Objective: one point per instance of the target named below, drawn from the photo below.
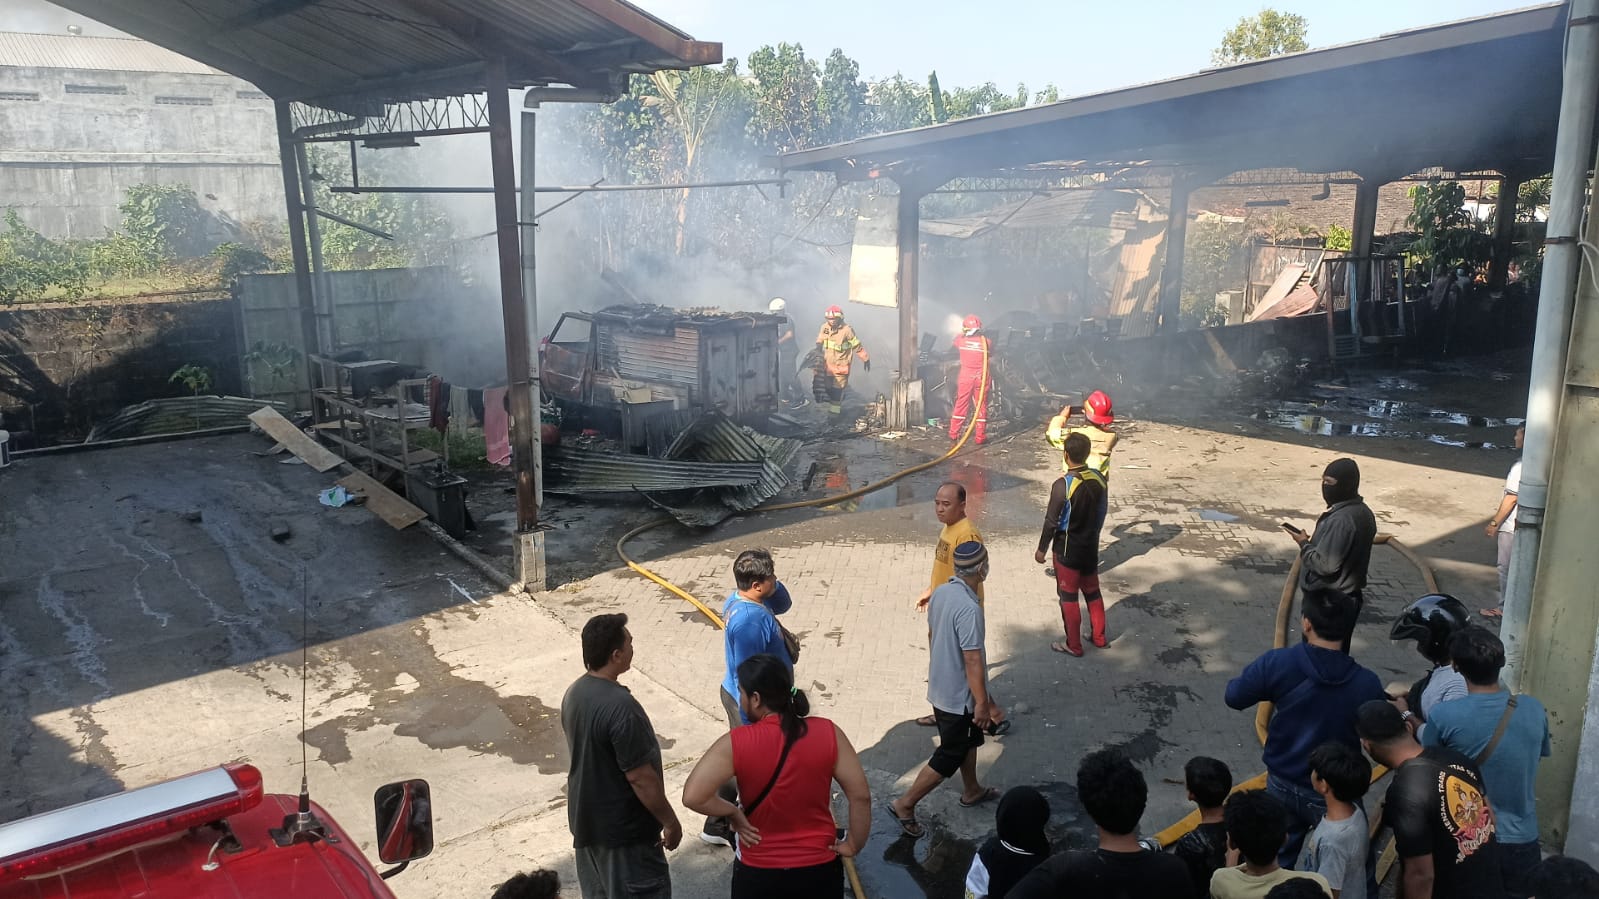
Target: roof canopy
(1476, 94)
(353, 55)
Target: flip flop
(908, 825)
(989, 795)
(1492, 614)
(1065, 649)
(927, 721)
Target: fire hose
(982, 397)
(1263, 711)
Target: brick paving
(1191, 600)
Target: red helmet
(833, 312)
(972, 323)
(1096, 408)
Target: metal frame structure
(1362, 110)
(387, 73)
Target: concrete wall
(64, 366)
(72, 141)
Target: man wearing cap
(974, 386)
(1097, 409)
(1444, 829)
(957, 687)
(1337, 555)
(839, 346)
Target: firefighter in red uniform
(974, 349)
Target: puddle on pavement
(1354, 416)
(935, 866)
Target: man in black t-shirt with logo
(1444, 829)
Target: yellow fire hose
(982, 398)
(1263, 711)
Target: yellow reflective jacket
(838, 347)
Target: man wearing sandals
(949, 504)
(957, 687)
(1502, 529)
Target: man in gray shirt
(957, 688)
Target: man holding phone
(1337, 555)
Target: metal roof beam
(266, 12)
(470, 31)
(654, 32)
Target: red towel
(497, 425)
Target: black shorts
(957, 736)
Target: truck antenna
(303, 825)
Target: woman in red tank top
(785, 764)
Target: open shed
(385, 73)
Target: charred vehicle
(633, 362)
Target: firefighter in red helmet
(974, 387)
(1101, 417)
(839, 346)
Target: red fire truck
(212, 834)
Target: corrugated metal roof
(98, 54)
(1082, 208)
(349, 54)
(573, 471)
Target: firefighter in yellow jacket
(838, 346)
(1097, 409)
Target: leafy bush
(32, 264)
(237, 259)
(163, 221)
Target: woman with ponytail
(785, 763)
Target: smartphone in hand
(1290, 528)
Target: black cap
(1379, 722)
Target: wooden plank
(283, 431)
(384, 503)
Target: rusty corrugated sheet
(714, 438)
(94, 54)
(586, 471)
(1135, 291)
(672, 359)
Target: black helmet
(1431, 621)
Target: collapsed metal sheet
(715, 439)
(572, 471)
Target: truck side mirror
(405, 822)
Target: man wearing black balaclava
(1336, 556)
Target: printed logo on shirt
(941, 553)
(1466, 814)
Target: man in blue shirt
(1506, 735)
(749, 628)
(1315, 688)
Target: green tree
(32, 265)
(843, 99)
(1447, 235)
(164, 221)
(899, 103)
(1267, 33)
(422, 231)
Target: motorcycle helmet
(1097, 409)
(1431, 621)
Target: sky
(1078, 46)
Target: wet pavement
(119, 618)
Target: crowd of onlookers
(1462, 750)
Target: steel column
(530, 285)
(909, 240)
(1504, 231)
(321, 296)
(518, 354)
(1171, 270)
(297, 243)
(1363, 230)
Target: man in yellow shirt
(949, 504)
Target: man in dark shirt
(1444, 829)
(1337, 556)
(1113, 793)
(1204, 849)
(1072, 521)
(616, 806)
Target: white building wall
(73, 140)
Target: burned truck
(621, 366)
